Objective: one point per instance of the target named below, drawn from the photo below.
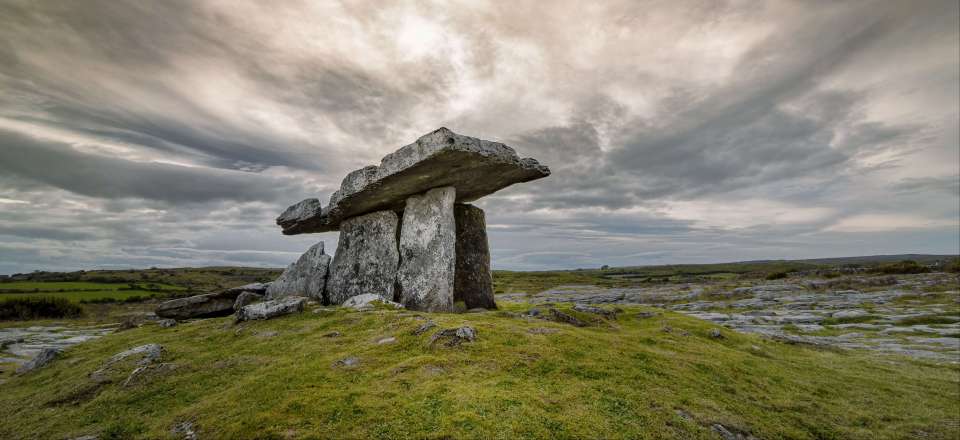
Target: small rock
(477, 310)
(715, 334)
(266, 334)
(333, 334)
(423, 328)
(184, 430)
(533, 312)
(542, 330)
(347, 362)
(563, 317)
(456, 335)
(389, 340)
(583, 308)
(167, 323)
(46, 356)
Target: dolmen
(407, 231)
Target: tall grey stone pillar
(428, 251)
(473, 282)
(366, 259)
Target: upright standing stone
(428, 251)
(366, 259)
(305, 277)
(473, 283)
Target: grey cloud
(99, 176)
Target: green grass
(624, 379)
(85, 291)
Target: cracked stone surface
(473, 281)
(428, 251)
(884, 314)
(475, 167)
(21, 345)
(366, 259)
(305, 277)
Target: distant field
(84, 291)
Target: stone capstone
(366, 258)
(305, 277)
(428, 251)
(473, 281)
(271, 309)
(441, 158)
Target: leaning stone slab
(199, 306)
(271, 309)
(473, 166)
(473, 282)
(366, 258)
(305, 277)
(428, 251)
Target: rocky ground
(914, 315)
(19, 345)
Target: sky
(169, 134)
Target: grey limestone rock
(46, 356)
(365, 302)
(199, 306)
(473, 281)
(245, 299)
(428, 251)
(305, 277)
(473, 166)
(271, 308)
(366, 259)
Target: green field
(85, 291)
(632, 377)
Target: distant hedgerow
(36, 308)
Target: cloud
(137, 133)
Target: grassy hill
(630, 377)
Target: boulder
(271, 308)
(46, 356)
(305, 277)
(441, 158)
(366, 258)
(244, 299)
(473, 280)
(199, 306)
(428, 251)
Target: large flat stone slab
(305, 277)
(474, 167)
(428, 251)
(366, 259)
(473, 283)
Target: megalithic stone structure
(407, 233)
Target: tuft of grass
(621, 378)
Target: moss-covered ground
(633, 377)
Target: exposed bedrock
(305, 277)
(473, 281)
(428, 251)
(474, 167)
(366, 258)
